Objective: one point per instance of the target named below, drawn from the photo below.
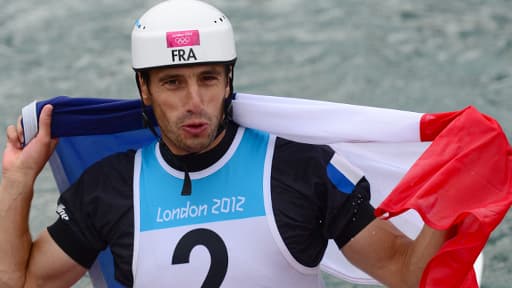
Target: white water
(415, 55)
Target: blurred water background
(424, 56)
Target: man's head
(183, 52)
(188, 102)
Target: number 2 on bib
(215, 246)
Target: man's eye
(210, 78)
(172, 82)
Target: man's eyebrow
(211, 71)
(166, 76)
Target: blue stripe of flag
(339, 180)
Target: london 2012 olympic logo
(183, 38)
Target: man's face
(188, 104)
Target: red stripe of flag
(463, 181)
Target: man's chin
(197, 148)
(187, 144)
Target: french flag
(448, 170)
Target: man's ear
(144, 90)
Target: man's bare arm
(49, 266)
(24, 263)
(385, 253)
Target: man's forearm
(20, 167)
(392, 258)
(15, 238)
(426, 245)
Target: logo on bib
(218, 206)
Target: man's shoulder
(117, 158)
(299, 149)
(119, 162)
(111, 173)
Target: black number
(216, 248)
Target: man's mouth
(195, 128)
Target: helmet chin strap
(146, 122)
(228, 105)
(228, 112)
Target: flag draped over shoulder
(449, 170)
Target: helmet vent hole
(221, 19)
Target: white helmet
(182, 32)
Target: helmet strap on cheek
(146, 122)
(227, 108)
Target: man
(263, 207)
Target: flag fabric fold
(449, 170)
(462, 180)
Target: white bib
(223, 234)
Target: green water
(414, 55)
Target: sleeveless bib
(224, 234)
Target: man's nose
(194, 100)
